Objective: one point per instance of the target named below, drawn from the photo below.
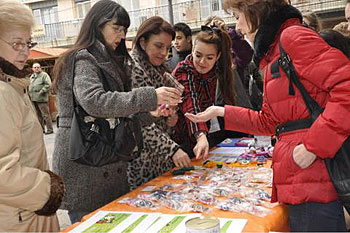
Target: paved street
(49, 143)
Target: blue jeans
(76, 216)
(313, 216)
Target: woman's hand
(209, 113)
(303, 157)
(218, 23)
(202, 147)
(181, 159)
(172, 120)
(168, 95)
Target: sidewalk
(49, 143)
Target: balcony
(319, 6)
(31, 1)
(194, 13)
(62, 34)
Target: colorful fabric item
(199, 94)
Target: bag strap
(73, 71)
(134, 123)
(286, 64)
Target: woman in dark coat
(99, 52)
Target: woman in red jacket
(300, 175)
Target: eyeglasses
(118, 29)
(18, 46)
(211, 29)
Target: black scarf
(269, 27)
(10, 69)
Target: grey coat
(88, 187)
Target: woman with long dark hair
(208, 79)
(300, 177)
(99, 53)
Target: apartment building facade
(58, 21)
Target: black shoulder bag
(98, 141)
(339, 166)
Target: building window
(47, 15)
(135, 5)
(215, 5)
(37, 16)
(83, 8)
(142, 19)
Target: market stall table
(278, 221)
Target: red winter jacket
(325, 73)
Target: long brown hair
(101, 13)
(255, 10)
(152, 26)
(221, 39)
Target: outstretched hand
(209, 113)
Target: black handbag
(339, 166)
(98, 141)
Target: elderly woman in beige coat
(29, 193)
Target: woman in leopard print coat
(160, 152)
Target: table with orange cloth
(278, 221)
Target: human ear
(143, 43)
(218, 57)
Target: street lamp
(171, 13)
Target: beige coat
(24, 186)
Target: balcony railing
(194, 13)
(31, 1)
(60, 34)
(319, 6)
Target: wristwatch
(198, 134)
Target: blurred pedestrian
(39, 92)
(336, 40)
(342, 27)
(347, 13)
(311, 20)
(182, 44)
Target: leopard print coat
(158, 147)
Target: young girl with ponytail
(208, 79)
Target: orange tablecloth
(273, 222)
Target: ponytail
(225, 65)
